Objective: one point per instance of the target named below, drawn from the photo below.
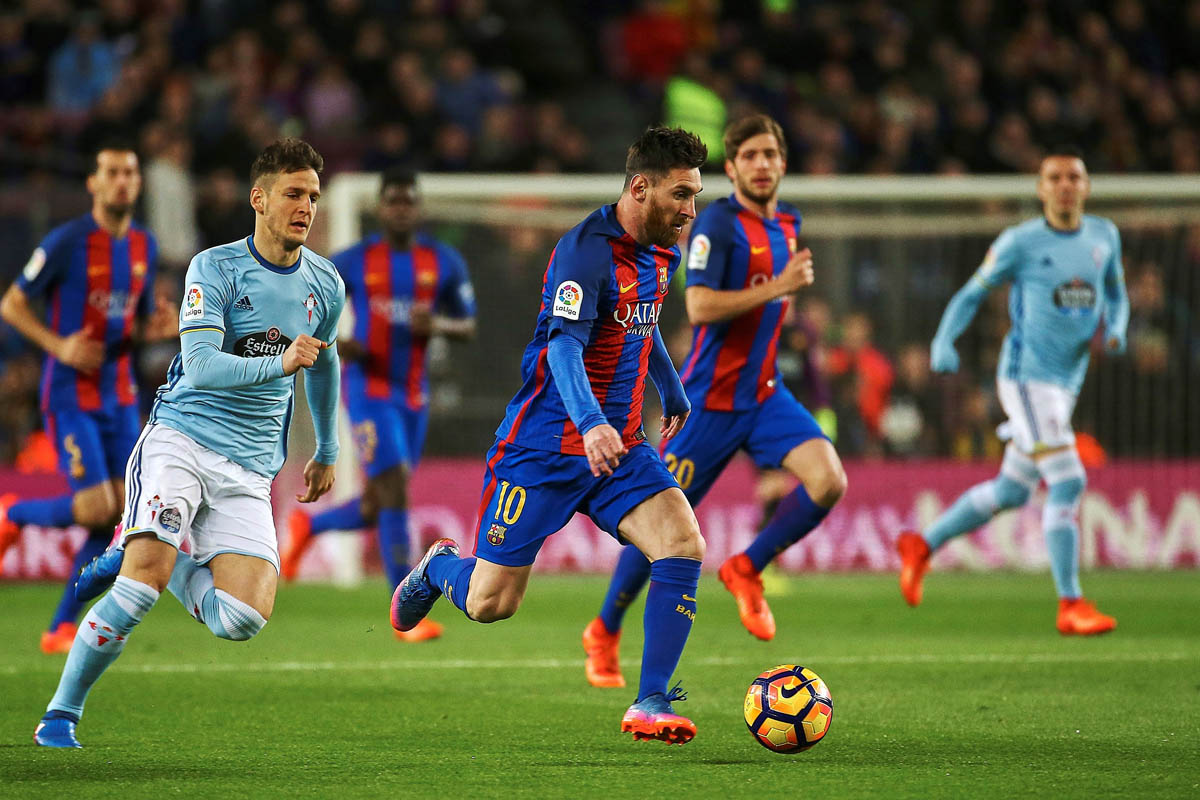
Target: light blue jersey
(1063, 284)
(236, 303)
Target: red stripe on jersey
(662, 264)
(765, 385)
(697, 346)
(546, 279)
(603, 354)
(739, 338)
(377, 277)
(139, 253)
(95, 312)
(425, 282)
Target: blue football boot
(652, 718)
(56, 729)
(415, 595)
(98, 574)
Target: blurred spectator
(82, 69)
(170, 196)
(862, 366)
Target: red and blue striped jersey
(384, 284)
(731, 366)
(88, 279)
(597, 272)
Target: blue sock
(631, 574)
(452, 575)
(794, 517)
(392, 530)
(53, 512)
(68, 607)
(670, 611)
(346, 517)
(100, 640)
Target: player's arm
(707, 305)
(453, 315)
(77, 350)
(1116, 300)
(675, 403)
(998, 266)
(564, 354)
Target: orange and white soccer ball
(788, 709)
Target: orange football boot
(745, 584)
(300, 536)
(654, 719)
(60, 639)
(423, 631)
(914, 563)
(602, 666)
(9, 530)
(1078, 616)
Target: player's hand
(672, 425)
(420, 319)
(80, 351)
(302, 353)
(797, 273)
(318, 478)
(943, 357)
(163, 322)
(604, 448)
(1115, 344)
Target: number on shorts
(507, 501)
(682, 468)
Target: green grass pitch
(972, 695)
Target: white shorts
(1039, 415)
(177, 489)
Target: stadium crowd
(971, 86)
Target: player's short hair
(403, 177)
(116, 144)
(660, 149)
(285, 155)
(742, 129)
(1065, 150)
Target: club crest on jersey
(495, 534)
(1099, 255)
(1075, 298)
(698, 252)
(638, 318)
(155, 505)
(310, 303)
(193, 302)
(662, 278)
(138, 268)
(568, 300)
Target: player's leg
(1012, 488)
(696, 457)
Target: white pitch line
(574, 663)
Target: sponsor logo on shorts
(495, 534)
(568, 300)
(261, 344)
(170, 520)
(193, 302)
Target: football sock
(631, 574)
(794, 517)
(975, 507)
(346, 517)
(392, 531)
(190, 582)
(68, 607)
(53, 512)
(452, 576)
(1066, 480)
(670, 612)
(100, 640)
(228, 617)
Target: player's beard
(659, 225)
(764, 196)
(118, 210)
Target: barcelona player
(572, 437)
(255, 312)
(95, 275)
(1066, 277)
(404, 287)
(743, 264)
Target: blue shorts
(530, 494)
(93, 446)
(698, 453)
(387, 434)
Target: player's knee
(828, 485)
(390, 489)
(684, 541)
(230, 618)
(94, 508)
(1010, 493)
(1067, 492)
(492, 608)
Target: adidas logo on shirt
(244, 304)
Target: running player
(1066, 275)
(572, 437)
(743, 263)
(404, 287)
(255, 312)
(96, 276)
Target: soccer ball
(788, 709)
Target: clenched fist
(302, 353)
